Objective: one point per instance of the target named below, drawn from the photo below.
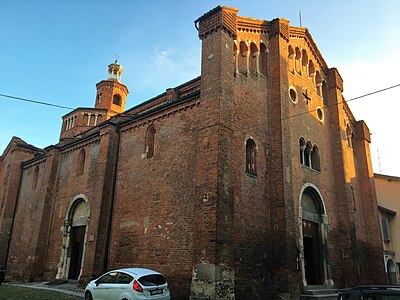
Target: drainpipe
(110, 215)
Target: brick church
(251, 181)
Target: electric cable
(352, 99)
(36, 102)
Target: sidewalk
(71, 288)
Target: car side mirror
(97, 283)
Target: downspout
(110, 215)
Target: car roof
(376, 289)
(137, 271)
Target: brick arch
(307, 220)
(291, 58)
(297, 65)
(77, 217)
(253, 58)
(264, 63)
(243, 57)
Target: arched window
(81, 162)
(117, 99)
(98, 98)
(311, 69)
(298, 61)
(302, 145)
(307, 155)
(304, 61)
(315, 161)
(251, 157)
(318, 83)
(242, 59)
(150, 140)
(263, 59)
(291, 59)
(253, 59)
(35, 177)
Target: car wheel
(88, 296)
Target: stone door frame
(323, 235)
(64, 262)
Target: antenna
(379, 160)
(300, 17)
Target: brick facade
(164, 185)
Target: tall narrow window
(318, 83)
(291, 59)
(251, 157)
(315, 161)
(385, 230)
(35, 176)
(81, 162)
(264, 59)
(254, 59)
(311, 69)
(304, 61)
(243, 58)
(150, 140)
(298, 61)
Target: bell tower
(111, 93)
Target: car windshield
(152, 280)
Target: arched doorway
(313, 237)
(77, 239)
(391, 271)
(74, 239)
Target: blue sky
(56, 51)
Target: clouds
(163, 60)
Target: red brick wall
(191, 211)
(10, 174)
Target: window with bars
(251, 157)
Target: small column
(95, 119)
(88, 122)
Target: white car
(128, 284)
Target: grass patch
(9, 292)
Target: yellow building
(388, 196)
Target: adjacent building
(388, 195)
(251, 181)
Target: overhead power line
(36, 102)
(295, 115)
(376, 92)
(352, 99)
